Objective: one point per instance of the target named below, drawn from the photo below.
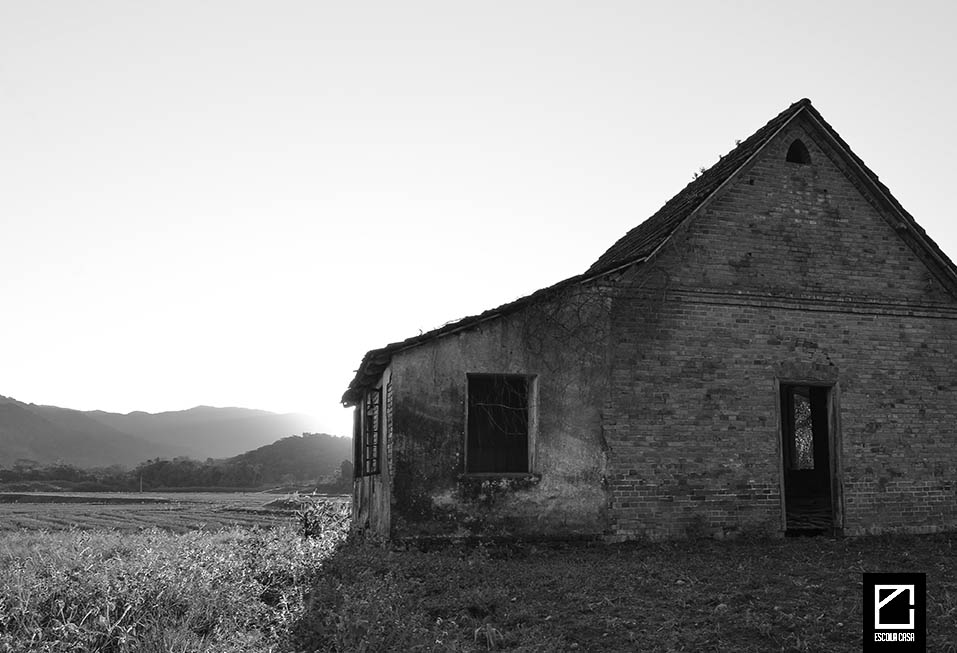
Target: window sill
(485, 487)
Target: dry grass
(755, 596)
(243, 589)
(178, 512)
(151, 591)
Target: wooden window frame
(530, 401)
(357, 449)
(372, 432)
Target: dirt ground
(802, 594)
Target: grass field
(96, 589)
(176, 512)
(160, 576)
(788, 595)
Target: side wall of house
(372, 493)
(792, 275)
(557, 343)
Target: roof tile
(644, 239)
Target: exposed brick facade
(666, 420)
(792, 274)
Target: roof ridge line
(645, 239)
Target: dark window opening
(798, 153)
(373, 433)
(802, 444)
(497, 423)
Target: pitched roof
(642, 241)
(375, 361)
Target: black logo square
(895, 613)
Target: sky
(225, 202)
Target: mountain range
(97, 438)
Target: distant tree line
(29, 474)
(292, 461)
(186, 472)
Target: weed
(316, 517)
(488, 635)
(232, 590)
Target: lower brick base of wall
(925, 529)
(682, 510)
(691, 508)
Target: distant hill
(304, 457)
(309, 458)
(48, 434)
(207, 432)
(313, 460)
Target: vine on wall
(567, 336)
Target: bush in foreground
(235, 590)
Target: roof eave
(885, 197)
(370, 369)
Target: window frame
(372, 432)
(358, 460)
(531, 423)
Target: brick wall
(794, 274)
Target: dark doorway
(806, 446)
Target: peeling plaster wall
(560, 343)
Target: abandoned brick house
(772, 351)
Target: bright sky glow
(229, 202)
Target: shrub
(234, 590)
(317, 517)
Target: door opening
(808, 500)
